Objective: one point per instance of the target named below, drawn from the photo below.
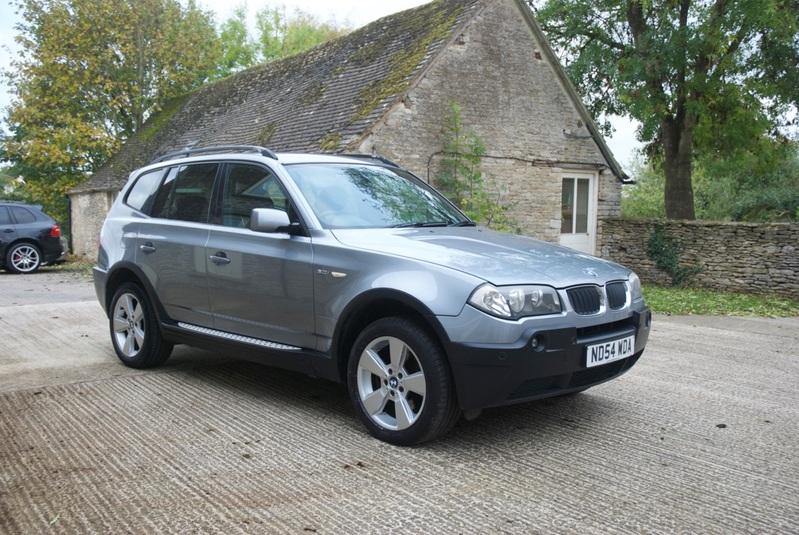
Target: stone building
(385, 89)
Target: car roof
(285, 158)
(289, 158)
(21, 203)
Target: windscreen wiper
(421, 224)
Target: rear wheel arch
(130, 273)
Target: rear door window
(185, 194)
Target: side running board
(237, 337)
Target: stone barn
(386, 89)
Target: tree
(239, 49)
(760, 183)
(89, 74)
(749, 185)
(281, 35)
(644, 198)
(11, 189)
(462, 180)
(704, 76)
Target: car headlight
(513, 302)
(635, 287)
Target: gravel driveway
(700, 437)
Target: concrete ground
(700, 437)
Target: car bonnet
(495, 257)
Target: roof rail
(371, 157)
(226, 148)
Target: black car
(29, 238)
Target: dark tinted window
(5, 218)
(185, 193)
(22, 215)
(142, 194)
(248, 187)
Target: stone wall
(734, 257)
(92, 208)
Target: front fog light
(538, 343)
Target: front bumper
(490, 375)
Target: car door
(260, 284)
(170, 245)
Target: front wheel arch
(374, 305)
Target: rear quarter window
(22, 215)
(141, 195)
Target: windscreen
(367, 196)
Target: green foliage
(282, 35)
(278, 35)
(89, 74)
(644, 198)
(11, 188)
(666, 250)
(239, 49)
(760, 184)
(462, 181)
(707, 75)
(694, 301)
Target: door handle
(219, 258)
(147, 248)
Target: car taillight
(55, 232)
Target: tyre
(400, 383)
(23, 258)
(134, 329)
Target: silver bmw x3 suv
(352, 269)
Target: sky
(354, 12)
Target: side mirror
(269, 220)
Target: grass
(693, 301)
(77, 265)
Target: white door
(578, 212)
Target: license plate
(599, 354)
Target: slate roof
(319, 100)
